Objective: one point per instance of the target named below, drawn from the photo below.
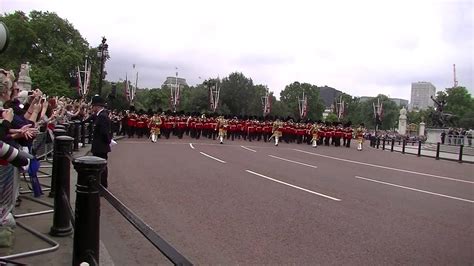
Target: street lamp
(103, 53)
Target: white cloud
(361, 47)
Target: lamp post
(103, 53)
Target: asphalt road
(253, 203)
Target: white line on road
(386, 167)
(414, 189)
(191, 145)
(293, 186)
(291, 161)
(247, 148)
(214, 158)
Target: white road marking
(214, 158)
(386, 167)
(247, 148)
(191, 145)
(293, 186)
(414, 189)
(309, 165)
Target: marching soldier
(154, 125)
(314, 131)
(338, 134)
(222, 125)
(360, 136)
(276, 131)
(348, 135)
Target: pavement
(62, 254)
(56, 250)
(251, 203)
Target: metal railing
(85, 221)
(437, 151)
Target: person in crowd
(101, 134)
(469, 137)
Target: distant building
(421, 93)
(172, 81)
(399, 102)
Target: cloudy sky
(362, 47)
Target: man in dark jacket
(101, 137)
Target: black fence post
(57, 133)
(461, 147)
(378, 142)
(62, 219)
(86, 232)
(419, 148)
(437, 150)
(83, 134)
(383, 144)
(393, 143)
(77, 125)
(403, 146)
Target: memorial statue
(24, 80)
(439, 117)
(402, 121)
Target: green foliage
(458, 101)
(236, 93)
(51, 44)
(331, 118)
(292, 92)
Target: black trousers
(104, 174)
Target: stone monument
(422, 129)
(24, 80)
(402, 122)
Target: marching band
(223, 128)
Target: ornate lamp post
(103, 53)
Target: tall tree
(292, 92)
(236, 93)
(50, 44)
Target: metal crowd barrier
(434, 150)
(85, 221)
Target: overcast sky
(361, 47)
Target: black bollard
(393, 143)
(77, 130)
(461, 147)
(70, 129)
(437, 150)
(57, 133)
(87, 233)
(66, 127)
(83, 134)
(59, 127)
(378, 142)
(403, 146)
(383, 144)
(419, 148)
(61, 162)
